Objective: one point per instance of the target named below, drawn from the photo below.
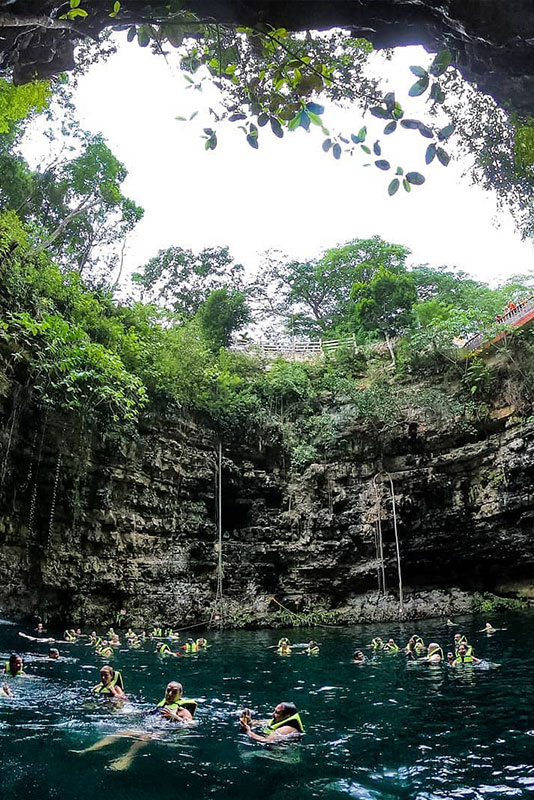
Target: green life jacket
(98, 641)
(164, 648)
(312, 651)
(69, 636)
(8, 672)
(273, 726)
(117, 681)
(157, 632)
(190, 648)
(106, 652)
(434, 651)
(285, 651)
(391, 648)
(469, 651)
(190, 705)
(465, 660)
(377, 644)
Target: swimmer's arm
(285, 730)
(6, 690)
(178, 716)
(116, 691)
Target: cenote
(377, 731)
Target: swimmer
(284, 650)
(358, 657)
(111, 682)
(450, 623)
(122, 763)
(163, 649)
(312, 649)
(53, 654)
(450, 659)
(14, 667)
(189, 647)
(285, 722)
(465, 655)
(174, 706)
(377, 643)
(391, 646)
(434, 653)
(488, 628)
(200, 643)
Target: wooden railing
(297, 350)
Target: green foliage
(384, 302)
(222, 314)
(18, 102)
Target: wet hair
(53, 651)
(288, 709)
(13, 657)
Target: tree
(223, 313)
(384, 303)
(313, 297)
(75, 207)
(182, 280)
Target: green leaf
(425, 131)
(381, 113)
(441, 62)
(377, 150)
(399, 171)
(304, 120)
(445, 132)
(336, 151)
(356, 139)
(143, 37)
(362, 133)
(419, 72)
(443, 156)
(294, 122)
(315, 118)
(411, 124)
(407, 187)
(130, 36)
(253, 141)
(77, 12)
(393, 186)
(74, 3)
(116, 7)
(366, 149)
(315, 108)
(419, 87)
(277, 128)
(327, 144)
(430, 153)
(389, 101)
(382, 164)
(263, 119)
(391, 127)
(415, 178)
(437, 93)
(236, 117)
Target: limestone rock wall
(89, 525)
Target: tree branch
(42, 21)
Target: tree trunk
(390, 348)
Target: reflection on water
(378, 731)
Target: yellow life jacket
(157, 632)
(69, 636)
(312, 651)
(8, 672)
(284, 651)
(190, 705)
(377, 644)
(106, 652)
(164, 648)
(116, 681)
(190, 648)
(467, 659)
(273, 726)
(391, 648)
(434, 651)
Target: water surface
(380, 731)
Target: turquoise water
(380, 731)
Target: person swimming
(14, 667)
(111, 682)
(284, 650)
(358, 657)
(434, 653)
(312, 649)
(174, 706)
(391, 646)
(286, 721)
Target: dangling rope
(377, 478)
(379, 542)
(54, 496)
(217, 612)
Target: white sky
(288, 195)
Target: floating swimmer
(434, 653)
(284, 650)
(451, 624)
(391, 646)
(312, 649)
(286, 721)
(377, 643)
(110, 682)
(465, 655)
(174, 705)
(14, 667)
(358, 657)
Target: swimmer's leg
(123, 763)
(105, 741)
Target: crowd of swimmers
(174, 707)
